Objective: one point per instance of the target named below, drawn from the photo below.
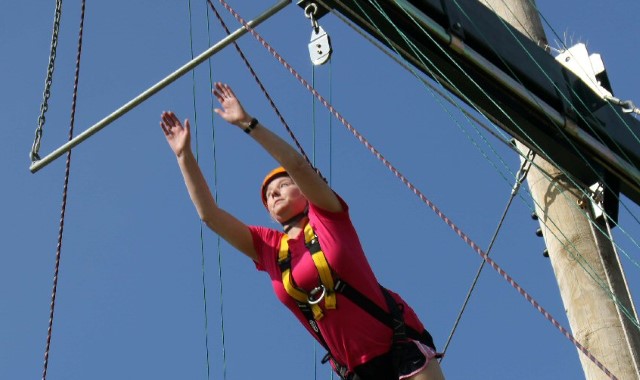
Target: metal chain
(47, 84)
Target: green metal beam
(516, 83)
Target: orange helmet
(275, 173)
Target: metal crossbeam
(187, 67)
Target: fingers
(229, 91)
(170, 118)
(218, 92)
(218, 96)
(222, 92)
(165, 127)
(168, 121)
(226, 90)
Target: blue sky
(130, 296)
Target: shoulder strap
(324, 271)
(320, 260)
(284, 261)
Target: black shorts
(404, 359)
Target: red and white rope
(420, 195)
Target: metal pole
(37, 165)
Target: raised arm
(221, 222)
(310, 183)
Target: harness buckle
(313, 297)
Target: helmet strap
(287, 225)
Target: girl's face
(284, 199)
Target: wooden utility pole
(575, 247)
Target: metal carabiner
(628, 106)
(312, 294)
(310, 12)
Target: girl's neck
(294, 227)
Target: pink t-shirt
(353, 336)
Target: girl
(317, 266)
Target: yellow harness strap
(326, 277)
(319, 259)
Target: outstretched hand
(231, 111)
(178, 136)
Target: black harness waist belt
(308, 303)
(392, 319)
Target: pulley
(320, 44)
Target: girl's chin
(283, 211)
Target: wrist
(250, 126)
(244, 122)
(181, 155)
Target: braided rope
(421, 196)
(64, 199)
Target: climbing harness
(309, 303)
(326, 289)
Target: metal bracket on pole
(455, 18)
(594, 197)
(37, 165)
